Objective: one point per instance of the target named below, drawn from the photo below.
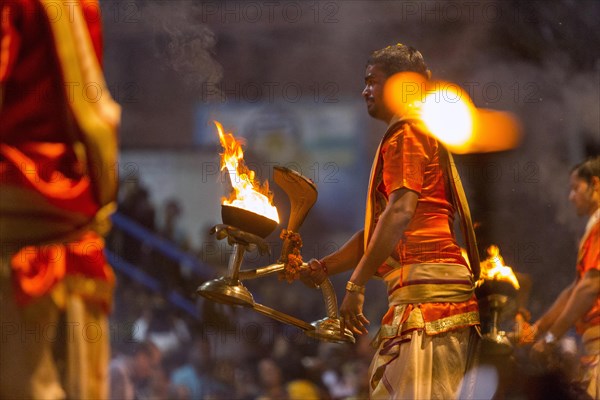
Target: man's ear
(428, 72)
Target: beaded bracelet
(321, 264)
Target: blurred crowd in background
(161, 350)
(220, 351)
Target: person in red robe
(58, 148)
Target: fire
(448, 114)
(493, 268)
(247, 192)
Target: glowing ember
(247, 193)
(493, 268)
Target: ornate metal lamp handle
(330, 298)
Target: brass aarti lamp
(246, 230)
(496, 287)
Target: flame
(247, 193)
(493, 268)
(448, 114)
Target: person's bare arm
(546, 320)
(390, 228)
(578, 299)
(582, 298)
(343, 259)
(347, 256)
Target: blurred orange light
(494, 268)
(449, 115)
(448, 112)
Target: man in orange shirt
(408, 241)
(579, 304)
(58, 146)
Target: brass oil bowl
(495, 300)
(247, 221)
(496, 286)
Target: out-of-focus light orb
(448, 114)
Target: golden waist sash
(429, 283)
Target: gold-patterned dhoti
(419, 358)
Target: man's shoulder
(407, 126)
(412, 130)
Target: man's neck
(392, 120)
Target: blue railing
(165, 247)
(132, 228)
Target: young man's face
(375, 80)
(583, 195)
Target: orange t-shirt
(411, 159)
(588, 259)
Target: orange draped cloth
(408, 158)
(588, 259)
(50, 195)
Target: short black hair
(399, 58)
(588, 169)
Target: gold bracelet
(353, 287)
